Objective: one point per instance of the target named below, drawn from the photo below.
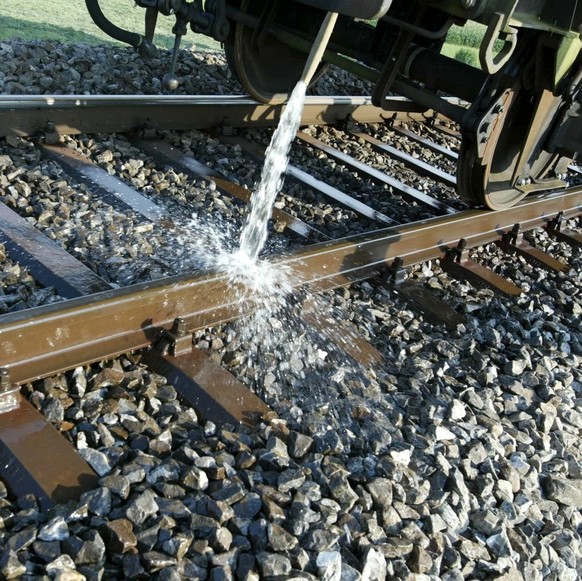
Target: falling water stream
(254, 234)
(275, 330)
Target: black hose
(138, 41)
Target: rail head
(34, 115)
(42, 341)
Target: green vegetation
(69, 21)
(467, 56)
(463, 43)
(469, 35)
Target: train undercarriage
(519, 112)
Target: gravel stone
(221, 539)
(342, 492)
(320, 540)
(10, 565)
(55, 530)
(279, 539)
(155, 561)
(329, 565)
(62, 563)
(248, 507)
(300, 445)
(142, 507)
(374, 566)
(97, 460)
(22, 539)
(69, 575)
(119, 535)
(381, 491)
(500, 544)
(567, 492)
(273, 564)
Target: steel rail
(42, 341)
(33, 115)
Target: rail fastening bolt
(5, 379)
(179, 327)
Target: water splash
(254, 234)
(284, 355)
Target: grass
(463, 43)
(465, 54)
(469, 35)
(69, 21)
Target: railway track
(392, 221)
(98, 322)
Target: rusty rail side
(42, 341)
(30, 116)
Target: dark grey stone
(420, 561)
(142, 507)
(395, 547)
(173, 507)
(91, 551)
(178, 546)
(155, 561)
(290, 479)
(342, 492)
(229, 493)
(47, 550)
(564, 491)
(329, 565)
(279, 539)
(147, 538)
(300, 444)
(22, 539)
(320, 540)
(98, 501)
(119, 535)
(196, 479)
(10, 565)
(132, 566)
(117, 484)
(221, 574)
(220, 540)
(248, 507)
(55, 530)
(273, 564)
(216, 509)
(97, 460)
(381, 491)
(203, 526)
(276, 454)
(499, 544)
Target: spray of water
(254, 233)
(273, 346)
(285, 357)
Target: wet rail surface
(97, 321)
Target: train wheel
(267, 68)
(502, 158)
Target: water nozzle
(319, 46)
